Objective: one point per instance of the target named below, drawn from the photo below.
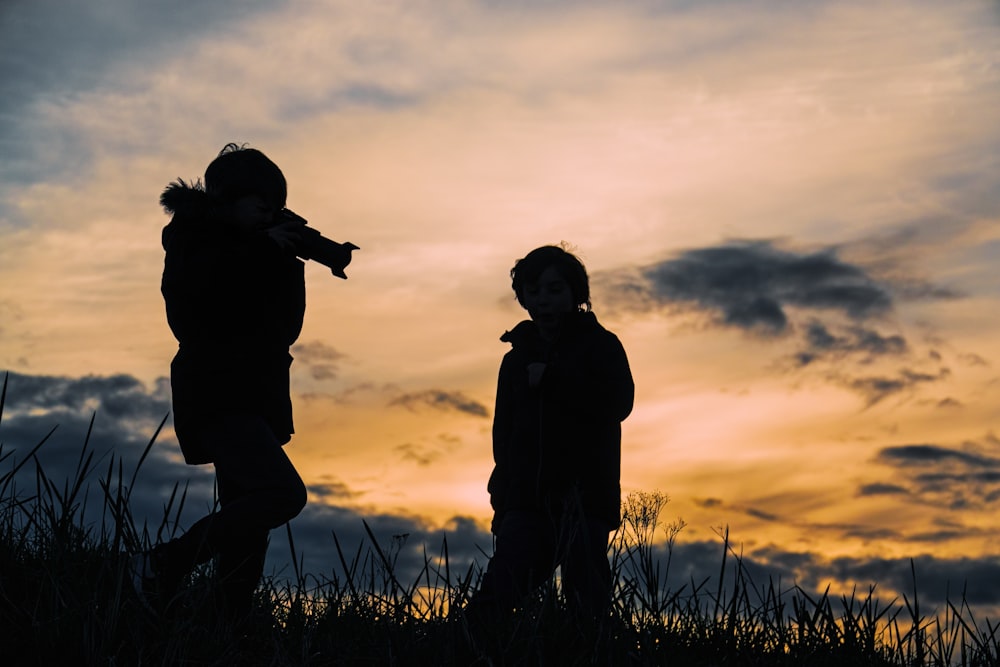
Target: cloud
(331, 490)
(821, 342)
(938, 580)
(833, 309)
(925, 454)
(319, 358)
(953, 478)
(441, 400)
(422, 456)
(761, 288)
(108, 420)
(881, 489)
(877, 388)
(751, 285)
(121, 396)
(409, 542)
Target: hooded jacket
(562, 437)
(235, 302)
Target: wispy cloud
(822, 343)
(320, 359)
(441, 400)
(422, 456)
(881, 489)
(952, 478)
(875, 389)
(925, 454)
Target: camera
(313, 245)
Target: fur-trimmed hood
(189, 205)
(182, 198)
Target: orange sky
(667, 142)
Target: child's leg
(259, 489)
(524, 557)
(238, 570)
(586, 574)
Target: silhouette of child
(235, 301)
(563, 390)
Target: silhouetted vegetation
(66, 598)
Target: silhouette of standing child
(235, 300)
(563, 390)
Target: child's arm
(597, 381)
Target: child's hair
(239, 171)
(568, 265)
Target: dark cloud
(835, 310)
(829, 305)
(318, 358)
(762, 515)
(751, 285)
(441, 400)
(937, 580)
(925, 454)
(822, 343)
(881, 489)
(877, 388)
(409, 543)
(121, 396)
(868, 534)
(332, 490)
(125, 412)
(352, 393)
(422, 456)
(109, 420)
(947, 478)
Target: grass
(65, 598)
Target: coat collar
(525, 333)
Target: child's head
(527, 271)
(239, 172)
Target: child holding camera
(235, 300)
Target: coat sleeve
(189, 280)
(595, 381)
(500, 479)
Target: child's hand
(535, 371)
(286, 234)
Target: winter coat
(235, 302)
(562, 437)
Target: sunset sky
(790, 212)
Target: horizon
(789, 219)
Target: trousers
(530, 545)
